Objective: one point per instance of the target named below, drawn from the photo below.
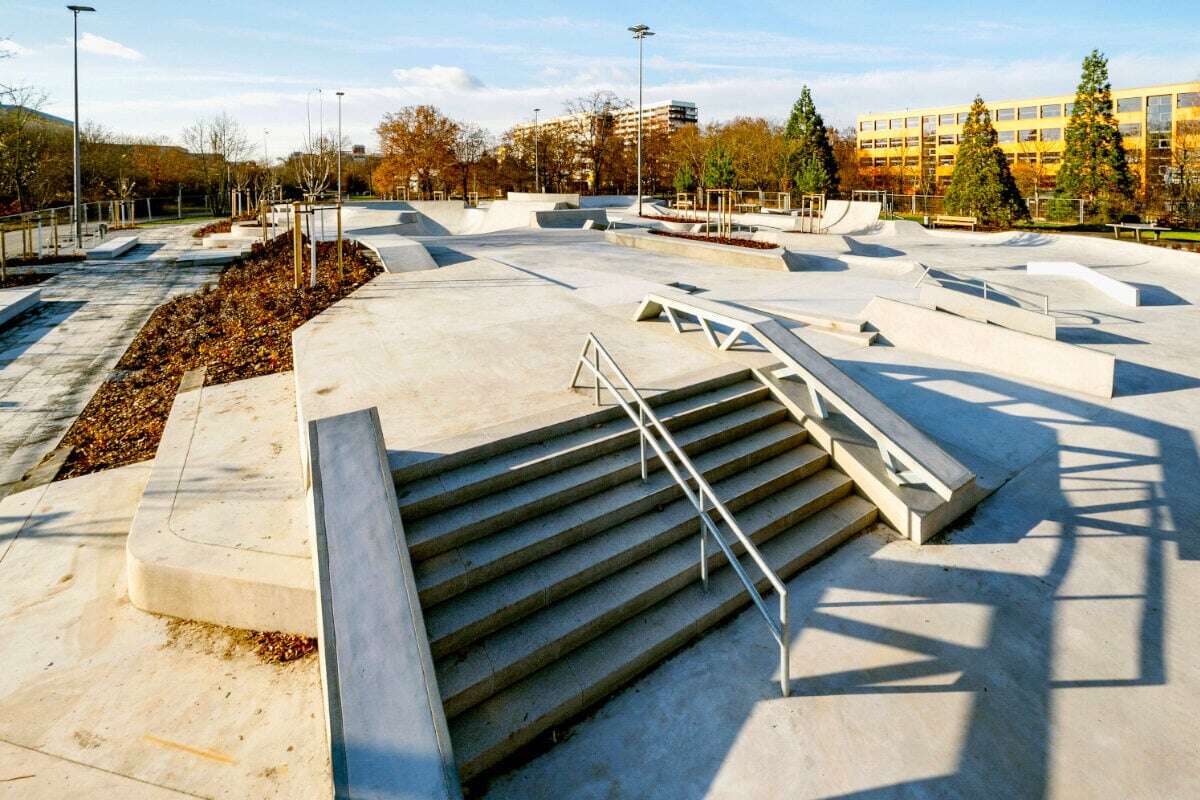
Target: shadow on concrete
(444, 256)
(1131, 379)
(27, 329)
(1153, 295)
(871, 250)
(809, 262)
(1084, 335)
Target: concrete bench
(1138, 228)
(944, 221)
(386, 725)
(15, 302)
(113, 248)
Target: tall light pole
(339, 145)
(640, 32)
(78, 182)
(536, 178)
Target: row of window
(948, 161)
(1125, 105)
(1160, 135)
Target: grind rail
(703, 498)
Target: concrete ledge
(571, 199)
(15, 302)
(386, 726)
(981, 310)
(916, 512)
(219, 535)
(398, 253)
(992, 348)
(113, 248)
(725, 255)
(1117, 290)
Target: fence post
(312, 248)
(296, 254)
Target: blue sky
(149, 68)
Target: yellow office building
(906, 150)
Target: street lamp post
(78, 182)
(537, 183)
(339, 145)
(640, 32)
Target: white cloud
(10, 48)
(437, 78)
(98, 45)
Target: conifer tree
(684, 180)
(809, 142)
(1093, 163)
(718, 168)
(983, 185)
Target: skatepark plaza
(576, 509)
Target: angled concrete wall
(981, 310)
(568, 218)
(992, 348)
(726, 255)
(1117, 290)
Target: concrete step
(455, 526)
(500, 659)
(476, 562)
(454, 624)
(515, 716)
(424, 497)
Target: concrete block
(1118, 290)
(112, 248)
(726, 255)
(992, 348)
(398, 253)
(981, 310)
(386, 726)
(15, 302)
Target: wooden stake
(296, 245)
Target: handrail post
(596, 356)
(642, 437)
(784, 656)
(703, 540)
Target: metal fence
(1041, 207)
(51, 231)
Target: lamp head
(77, 9)
(640, 31)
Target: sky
(151, 68)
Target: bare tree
(314, 164)
(221, 143)
(25, 142)
(469, 145)
(593, 118)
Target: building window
(962, 117)
(929, 125)
(1051, 134)
(881, 162)
(1051, 158)
(1158, 121)
(1027, 135)
(881, 124)
(910, 161)
(946, 138)
(946, 119)
(1068, 108)
(895, 142)
(895, 162)
(897, 124)
(945, 161)
(912, 141)
(1010, 157)
(1004, 114)
(1054, 110)
(866, 126)
(912, 122)
(864, 162)
(1027, 112)
(1006, 136)
(1130, 128)
(1129, 105)
(1189, 100)
(1026, 158)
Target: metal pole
(536, 178)
(703, 540)
(784, 656)
(642, 437)
(78, 184)
(339, 170)
(639, 142)
(339, 240)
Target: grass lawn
(174, 221)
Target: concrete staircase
(550, 574)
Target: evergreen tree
(808, 140)
(983, 185)
(718, 168)
(1093, 163)
(684, 180)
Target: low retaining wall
(113, 247)
(725, 255)
(992, 348)
(981, 310)
(1117, 290)
(545, 197)
(567, 218)
(398, 253)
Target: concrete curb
(725, 255)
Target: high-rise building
(667, 116)
(912, 149)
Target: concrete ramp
(850, 216)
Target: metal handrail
(702, 496)
(987, 285)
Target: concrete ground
(53, 358)
(98, 698)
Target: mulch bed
(672, 219)
(240, 329)
(699, 237)
(220, 226)
(16, 279)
